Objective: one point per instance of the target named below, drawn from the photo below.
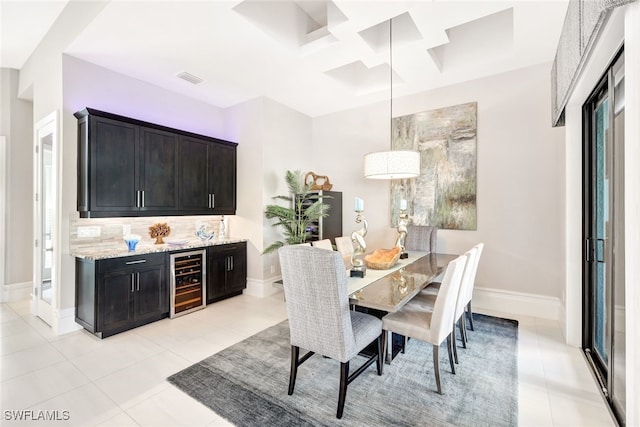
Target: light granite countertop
(146, 248)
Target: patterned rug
(247, 384)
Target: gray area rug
(247, 384)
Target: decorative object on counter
(176, 242)
(358, 268)
(201, 233)
(305, 208)
(222, 229)
(403, 220)
(383, 259)
(159, 231)
(131, 240)
(317, 182)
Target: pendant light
(393, 164)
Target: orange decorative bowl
(382, 259)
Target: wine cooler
(188, 282)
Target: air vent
(190, 78)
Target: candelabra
(358, 268)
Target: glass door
(603, 314)
(44, 219)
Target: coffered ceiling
(315, 56)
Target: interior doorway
(603, 231)
(45, 285)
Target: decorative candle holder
(403, 220)
(358, 268)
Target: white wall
(17, 125)
(520, 191)
(273, 139)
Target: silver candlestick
(358, 269)
(403, 220)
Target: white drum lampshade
(392, 164)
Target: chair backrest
(466, 286)
(344, 244)
(323, 244)
(317, 300)
(442, 317)
(476, 260)
(421, 238)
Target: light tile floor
(121, 380)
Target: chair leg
(344, 381)
(381, 350)
(436, 367)
(470, 313)
(461, 325)
(295, 353)
(450, 345)
(454, 344)
(405, 340)
(464, 330)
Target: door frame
(3, 212)
(49, 125)
(614, 164)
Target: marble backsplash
(111, 229)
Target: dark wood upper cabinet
(158, 166)
(128, 167)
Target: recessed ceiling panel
(476, 42)
(403, 28)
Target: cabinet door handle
(213, 200)
(231, 262)
(142, 206)
(137, 198)
(140, 261)
(133, 279)
(209, 202)
(137, 281)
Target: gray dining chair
(467, 297)
(431, 325)
(421, 238)
(317, 301)
(427, 300)
(323, 244)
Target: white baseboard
(516, 303)
(261, 288)
(64, 321)
(16, 292)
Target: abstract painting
(444, 195)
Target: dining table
(385, 291)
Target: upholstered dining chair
(479, 247)
(317, 301)
(427, 300)
(433, 288)
(344, 245)
(322, 244)
(431, 325)
(421, 238)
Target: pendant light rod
(391, 83)
(393, 164)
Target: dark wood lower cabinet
(226, 271)
(118, 294)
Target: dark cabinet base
(118, 294)
(226, 271)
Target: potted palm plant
(304, 208)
